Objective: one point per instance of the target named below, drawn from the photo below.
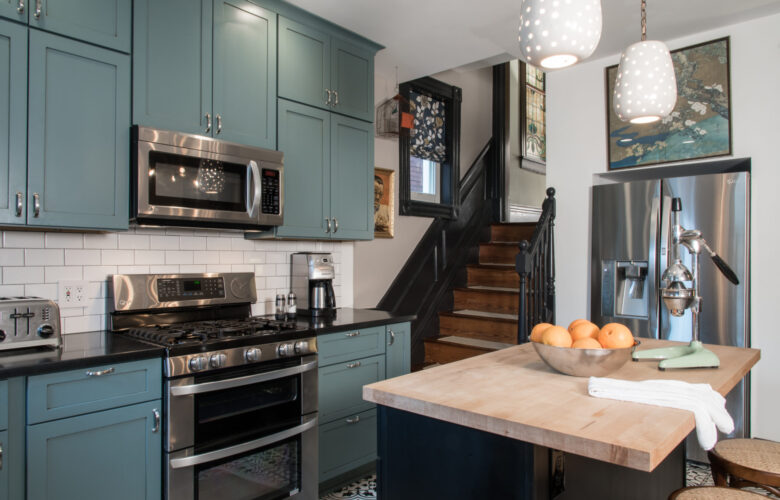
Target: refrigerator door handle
(663, 259)
(652, 271)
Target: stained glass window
(534, 126)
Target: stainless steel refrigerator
(630, 239)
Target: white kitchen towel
(708, 407)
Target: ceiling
(423, 37)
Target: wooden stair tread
(488, 289)
(495, 266)
(474, 342)
(481, 315)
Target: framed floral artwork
(384, 206)
(698, 127)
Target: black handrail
(536, 266)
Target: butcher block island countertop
(512, 393)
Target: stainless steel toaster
(29, 322)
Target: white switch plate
(72, 293)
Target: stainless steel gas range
(240, 391)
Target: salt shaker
(280, 310)
(292, 307)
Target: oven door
(191, 186)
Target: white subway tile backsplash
(64, 240)
(33, 263)
(82, 257)
(22, 239)
(11, 257)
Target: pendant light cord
(644, 20)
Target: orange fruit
(557, 336)
(615, 336)
(536, 333)
(584, 330)
(577, 322)
(586, 343)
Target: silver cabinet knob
(327, 221)
(252, 354)
(218, 360)
(335, 225)
(329, 92)
(156, 415)
(20, 8)
(219, 123)
(198, 363)
(336, 100)
(36, 204)
(38, 9)
(19, 203)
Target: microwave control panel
(177, 289)
(270, 189)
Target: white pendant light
(645, 86)
(558, 33)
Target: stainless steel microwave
(193, 180)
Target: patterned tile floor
(365, 488)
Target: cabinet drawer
(351, 344)
(64, 394)
(341, 386)
(3, 404)
(347, 444)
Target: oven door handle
(254, 171)
(309, 421)
(185, 390)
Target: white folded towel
(708, 407)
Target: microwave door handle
(185, 390)
(253, 172)
(308, 422)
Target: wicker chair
(746, 462)
(713, 493)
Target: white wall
(379, 261)
(577, 150)
(32, 263)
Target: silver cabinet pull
(354, 364)
(100, 373)
(392, 338)
(219, 123)
(336, 101)
(327, 230)
(38, 9)
(19, 203)
(208, 122)
(20, 8)
(329, 92)
(36, 204)
(156, 415)
(352, 334)
(353, 420)
(1, 456)
(335, 225)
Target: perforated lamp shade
(645, 86)
(558, 33)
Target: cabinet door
(304, 138)
(172, 65)
(4, 482)
(13, 121)
(353, 80)
(112, 454)
(398, 350)
(78, 134)
(102, 22)
(14, 9)
(352, 178)
(245, 73)
(304, 63)
(347, 443)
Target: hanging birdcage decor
(388, 115)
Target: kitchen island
(505, 425)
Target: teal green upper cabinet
(172, 64)
(14, 9)
(13, 122)
(245, 73)
(326, 71)
(398, 351)
(114, 454)
(352, 178)
(78, 134)
(102, 22)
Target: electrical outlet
(72, 293)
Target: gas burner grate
(199, 332)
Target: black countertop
(81, 350)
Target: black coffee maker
(312, 282)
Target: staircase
(485, 311)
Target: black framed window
(430, 152)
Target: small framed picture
(384, 205)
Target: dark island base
(424, 458)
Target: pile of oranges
(582, 334)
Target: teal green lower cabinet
(112, 454)
(347, 443)
(398, 349)
(350, 345)
(3, 405)
(341, 386)
(4, 483)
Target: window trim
(450, 170)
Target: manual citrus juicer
(677, 297)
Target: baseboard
(523, 213)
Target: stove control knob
(45, 330)
(198, 363)
(252, 355)
(218, 360)
(285, 350)
(301, 347)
